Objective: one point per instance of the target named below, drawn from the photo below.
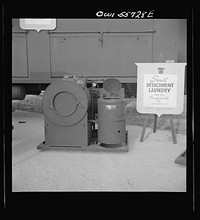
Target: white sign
(160, 88)
(37, 24)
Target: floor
(147, 166)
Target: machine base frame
(94, 145)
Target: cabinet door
(71, 53)
(121, 51)
(19, 55)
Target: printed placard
(160, 88)
(37, 24)
(110, 107)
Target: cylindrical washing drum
(65, 102)
(111, 121)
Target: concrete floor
(148, 166)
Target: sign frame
(164, 73)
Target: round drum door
(65, 102)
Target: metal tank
(111, 121)
(111, 115)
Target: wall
(78, 46)
(170, 39)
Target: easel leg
(172, 130)
(155, 123)
(144, 128)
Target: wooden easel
(155, 126)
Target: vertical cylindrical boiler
(111, 121)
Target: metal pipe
(104, 32)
